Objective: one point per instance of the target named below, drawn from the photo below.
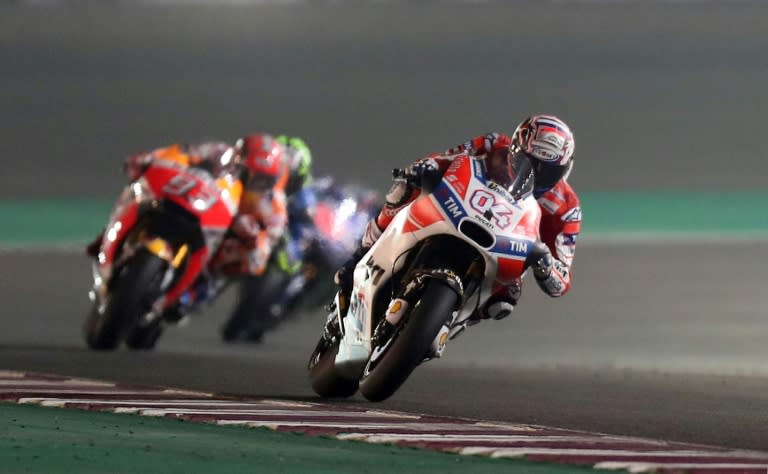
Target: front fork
(99, 294)
(354, 350)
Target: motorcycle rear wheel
(252, 316)
(145, 337)
(410, 343)
(131, 295)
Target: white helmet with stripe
(548, 143)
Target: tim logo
(453, 207)
(485, 203)
(519, 246)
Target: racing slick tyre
(326, 379)
(145, 337)
(131, 295)
(391, 364)
(252, 316)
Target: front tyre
(131, 295)
(411, 342)
(326, 379)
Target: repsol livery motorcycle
(431, 269)
(160, 235)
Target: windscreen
(521, 173)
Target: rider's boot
(344, 279)
(344, 276)
(498, 306)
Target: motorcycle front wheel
(388, 369)
(326, 379)
(131, 295)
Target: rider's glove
(541, 261)
(418, 170)
(135, 165)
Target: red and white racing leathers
(262, 215)
(560, 221)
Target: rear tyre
(131, 295)
(410, 344)
(145, 337)
(326, 379)
(252, 314)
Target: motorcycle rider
(260, 162)
(549, 144)
(301, 202)
(289, 256)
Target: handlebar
(399, 173)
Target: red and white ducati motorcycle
(420, 282)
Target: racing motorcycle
(160, 234)
(420, 283)
(337, 224)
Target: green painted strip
(42, 440)
(35, 223)
(49, 222)
(668, 212)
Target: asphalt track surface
(655, 340)
(677, 355)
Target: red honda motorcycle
(162, 232)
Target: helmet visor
(521, 173)
(548, 174)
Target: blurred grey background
(660, 94)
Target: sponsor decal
(574, 215)
(570, 239)
(551, 135)
(396, 310)
(357, 307)
(544, 154)
(483, 221)
(452, 207)
(485, 203)
(477, 168)
(561, 268)
(373, 271)
(456, 183)
(519, 246)
(553, 285)
(548, 205)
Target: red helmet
(262, 156)
(548, 142)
